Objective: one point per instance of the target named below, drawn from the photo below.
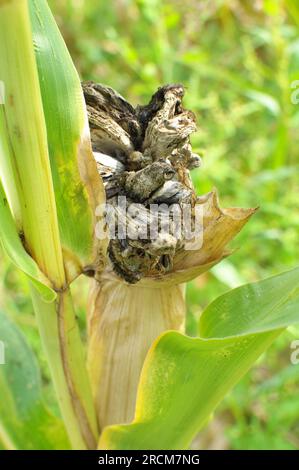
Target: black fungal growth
(143, 153)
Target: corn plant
(140, 382)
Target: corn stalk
(32, 172)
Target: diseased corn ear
(145, 153)
(77, 184)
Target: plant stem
(28, 166)
(27, 175)
(63, 348)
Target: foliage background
(237, 60)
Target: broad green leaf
(78, 188)
(254, 308)
(184, 379)
(25, 422)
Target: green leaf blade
(253, 308)
(25, 422)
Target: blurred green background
(237, 60)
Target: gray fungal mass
(143, 153)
